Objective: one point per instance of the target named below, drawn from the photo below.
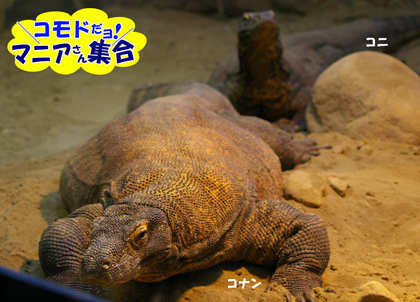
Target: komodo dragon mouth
(108, 273)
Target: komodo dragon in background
(272, 78)
(180, 184)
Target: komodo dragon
(180, 184)
(272, 78)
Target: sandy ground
(374, 230)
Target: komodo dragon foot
(306, 148)
(63, 245)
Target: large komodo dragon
(272, 78)
(180, 184)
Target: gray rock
(367, 95)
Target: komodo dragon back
(180, 184)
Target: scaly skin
(180, 184)
(272, 79)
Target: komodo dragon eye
(139, 236)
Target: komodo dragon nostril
(106, 264)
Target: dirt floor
(374, 230)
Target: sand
(374, 229)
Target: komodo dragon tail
(353, 36)
(397, 30)
(402, 29)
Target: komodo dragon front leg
(272, 232)
(63, 245)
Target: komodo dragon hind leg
(63, 244)
(291, 152)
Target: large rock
(367, 95)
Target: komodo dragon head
(258, 31)
(262, 22)
(127, 241)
